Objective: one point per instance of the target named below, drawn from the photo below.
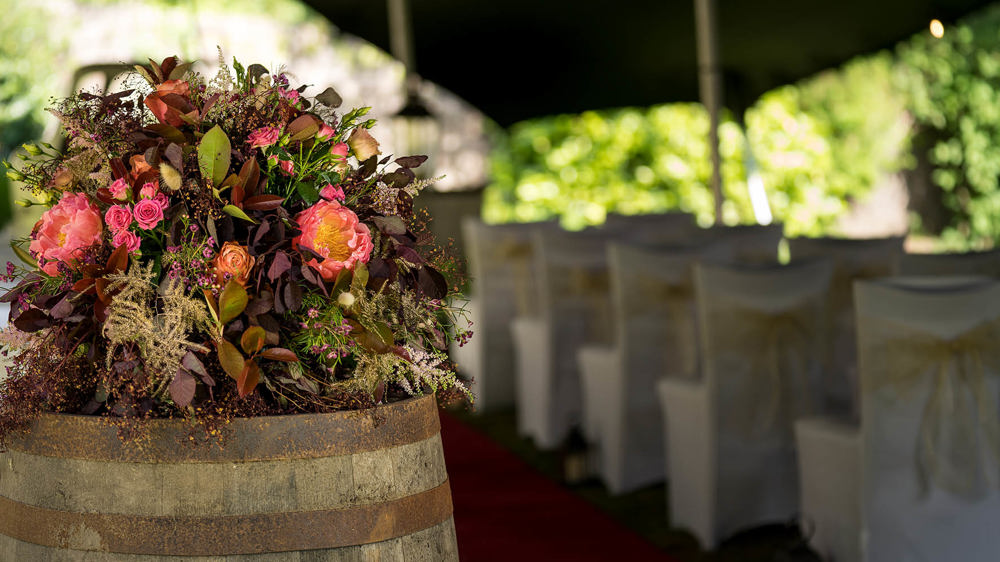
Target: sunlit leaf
(232, 302)
(214, 155)
(230, 358)
(252, 340)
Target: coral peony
(127, 238)
(118, 218)
(148, 213)
(119, 189)
(334, 232)
(233, 262)
(72, 224)
(264, 136)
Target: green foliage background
(819, 144)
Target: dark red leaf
(182, 388)
(411, 161)
(279, 265)
(280, 354)
(248, 379)
(263, 202)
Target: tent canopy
(519, 59)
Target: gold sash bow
(959, 406)
(651, 295)
(779, 387)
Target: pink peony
(130, 239)
(74, 223)
(330, 193)
(326, 132)
(118, 218)
(287, 167)
(148, 213)
(149, 190)
(119, 189)
(264, 136)
(334, 232)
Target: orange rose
(233, 262)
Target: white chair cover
(852, 259)
(575, 306)
(731, 456)
(655, 336)
(926, 452)
(969, 263)
(503, 286)
(744, 243)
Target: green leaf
(234, 211)
(384, 333)
(23, 255)
(212, 306)
(230, 358)
(360, 278)
(214, 155)
(252, 340)
(232, 302)
(308, 192)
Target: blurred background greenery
(923, 117)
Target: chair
(575, 307)
(917, 481)
(731, 457)
(749, 243)
(503, 287)
(655, 336)
(665, 229)
(852, 259)
(970, 263)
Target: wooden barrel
(362, 485)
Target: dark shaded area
(526, 58)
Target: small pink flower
(291, 95)
(148, 190)
(334, 232)
(339, 153)
(329, 192)
(119, 189)
(148, 213)
(127, 238)
(326, 132)
(264, 136)
(287, 167)
(118, 218)
(71, 225)
(163, 200)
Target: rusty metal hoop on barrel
(353, 485)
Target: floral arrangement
(221, 248)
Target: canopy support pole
(710, 89)
(401, 40)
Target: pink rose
(330, 193)
(127, 238)
(334, 232)
(264, 136)
(148, 190)
(71, 225)
(339, 153)
(119, 189)
(326, 132)
(363, 144)
(148, 213)
(118, 218)
(163, 200)
(287, 167)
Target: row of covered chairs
(745, 347)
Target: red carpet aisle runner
(505, 511)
